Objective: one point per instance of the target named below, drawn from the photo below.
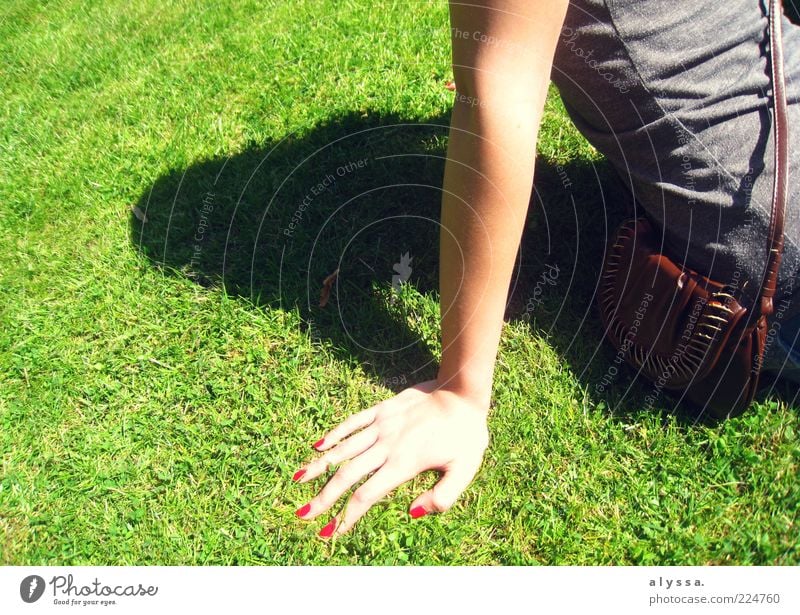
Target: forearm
(501, 89)
(487, 188)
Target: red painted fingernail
(299, 474)
(303, 510)
(418, 512)
(328, 529)
(318, 443)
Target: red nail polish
(417, 512)
(303, 510)
(299, 474)
(328, 529)
(318, 443)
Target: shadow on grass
(272, 222)
(356, 193)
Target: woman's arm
(502, 53)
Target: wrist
(476, 390)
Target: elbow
(497, 91)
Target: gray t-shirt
(675, 94)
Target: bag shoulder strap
(780, 130)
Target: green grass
(158, 391)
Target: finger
(345, 477)
(386, 479)
(445, 492)
(353, 446)
(346, 427)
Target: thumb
(445, 492)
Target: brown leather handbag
(687, 333)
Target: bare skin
(502, 56)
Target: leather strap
(780, 131)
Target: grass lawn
(178, 177)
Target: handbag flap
(667, 320)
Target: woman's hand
(425, 427)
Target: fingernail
(417, 512)
(303, 510)
(318, 443)
(299, 474)
(326, 531)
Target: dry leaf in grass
(450, 85)
(138, 213)
(325, 293)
